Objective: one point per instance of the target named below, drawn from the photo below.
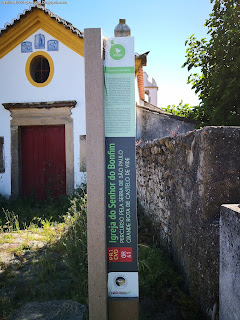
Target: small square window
(83, 166)
(2, 167)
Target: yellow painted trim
(33, 21)
(138, 64)
(27, 68)
(37, 19)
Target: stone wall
(153, 123)
(182, 183)
(229, 280)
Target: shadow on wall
(182, 183)
(154, 123)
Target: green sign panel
(121, 222)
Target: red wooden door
(43, 161)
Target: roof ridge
(67, 24)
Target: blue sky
(158, 26)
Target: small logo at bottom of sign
(120, 281)
(124, 284)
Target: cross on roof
(41, 3)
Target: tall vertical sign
(121, 224)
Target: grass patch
(163, 293)
(20, 213)
(6, 238)
(58, 268)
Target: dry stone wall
(182, 183)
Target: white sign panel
(120, 52)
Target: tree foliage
(183, 110)
(218, 84)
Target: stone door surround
(40, 114)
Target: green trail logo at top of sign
(117, 51)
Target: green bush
(186, 111)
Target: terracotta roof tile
(141, 84)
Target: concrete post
(229, 277)
(96, 209)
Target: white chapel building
(42, 105)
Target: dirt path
(32, 268)
(29, 270)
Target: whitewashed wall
(152, 97)
(67, 84)
(137, 95)
(152, 87)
